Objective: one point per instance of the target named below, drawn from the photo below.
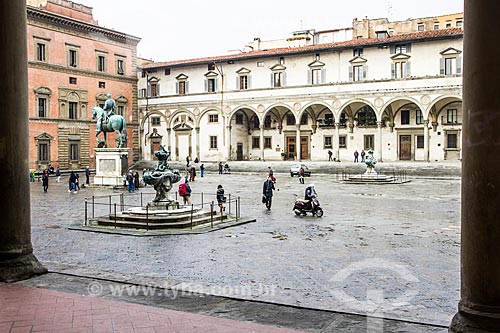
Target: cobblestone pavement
(384, 250)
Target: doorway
(405, 147)
(290, 147)
(239, 151)
(304, 147)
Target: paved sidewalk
(26, 309)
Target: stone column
(228, 136)
(197, 131)
(379, 140)
(337, 143)
(297, 143)
(261, 142)
(479, 306)
(169, 142)
(426, 140)
(17, 261)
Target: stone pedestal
(111, 165)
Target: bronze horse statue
(114, 123)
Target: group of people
(73, 180)
(356, 156)
(131, 180)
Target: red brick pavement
(26, 309)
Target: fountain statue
(370, 162)
(162, 177)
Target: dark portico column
(479, 307)
(16, 254)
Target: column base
(20, 268)
(464, 322)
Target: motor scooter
(302, 207)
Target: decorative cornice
(74, 24)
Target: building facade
(72, 64)
(398, 95)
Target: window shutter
(365, 69)
(309, 76)
(187, 87)
(393, 70)
(408, 48)
(272, 80)
(238, 83)
(206, 85)
(350, 73)
(408, 69)
(393, 49)
(459, 65)
(441, 66)
(249, 81)
(217, 88)
(284, 80)
(177, 88)
(157, 89)
(149, 89)
(323, 75)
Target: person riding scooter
(309, 194)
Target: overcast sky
(173, 30)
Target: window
(72, 80)
(211, 85)
(448, 24)
(243, 82)
(316, 76)
(327, 142)
(369, 140)
(167, 71)
(329, 119)
(402, 48)
(267, 142)
(421, 27)
(74, 151)
(153, 86)
(72, 58)
(419, 117)
(267, 122)
(43, 151)
(101, 63)
(400, 69)
(120, 67)
(143, 92)
(102, 84)
(459, 24)
(155, 121)
(260, 64)
(357, 52)
(181, 85)
(366, 117)
(405, 117)
(282, 60)
(316, 56)
(213, 118)
(211, 66)
(303, 119)
(436, 26)
(290, 119)
(451, 116)
(73, 110)
(278, 79)
(342, 141)
(255, 142)
(420, 141)
(239, 119)
(452, 141)
(42, 107)
(121, 110)
(358, 73)
(40, 52)
(213, 142)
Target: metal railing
(111, 206)
(392, 176)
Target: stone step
(143, 224)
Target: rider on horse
(109, 109)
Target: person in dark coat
(45, 181)
(267, 192)
(221, 199)
(72, 182)
(87, 176)
(136, 180)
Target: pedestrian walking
(301, 175)
(356, 154)
(362, 155)
(87, 176)
(267, 192)
(187, 161)
(221, 199)
(220, 168)
(192, 173)
(72, 182)
(185, 192)
(130, 182)
(330, 153)
(45, 181)
(58, 175)
(202, 170)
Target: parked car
(294, 170)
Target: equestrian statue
(108, 121)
